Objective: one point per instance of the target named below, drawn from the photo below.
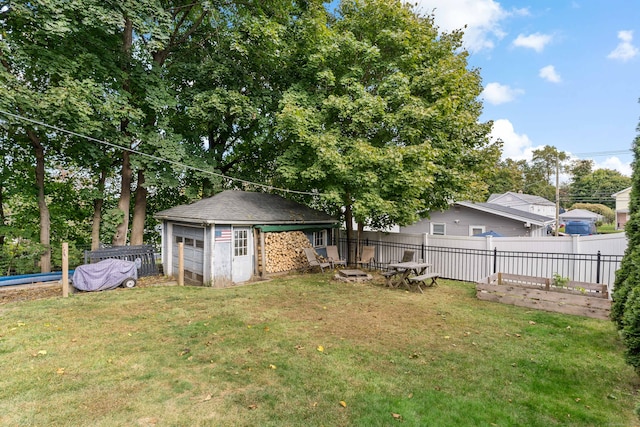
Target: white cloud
(496, 94)
(535, 41)
(515, 146)
(625, 49)
(615, 164)
(481, 17)
(550, 74)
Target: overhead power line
(603, 153)
(157, 158)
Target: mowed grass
(306, 350)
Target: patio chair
(314, 259)
(367, 257)
(334, 257)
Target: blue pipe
(25, 279)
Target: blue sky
(564, 73)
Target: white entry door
(242, 269)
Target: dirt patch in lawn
(36, 291)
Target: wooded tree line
(111, 111)
(584, 185)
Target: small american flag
(223, 234)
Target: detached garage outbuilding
(226, 236)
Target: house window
(476, 229)
(438, 229)
(319, 238)
(240, 243)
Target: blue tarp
(488, 233)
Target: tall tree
(46, 73)
(384, 119)
(625, 311)
(597, 186)
(550, 160)
(508, 175)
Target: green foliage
(597, 187)
(559, 280)
(19, 256)
(384, 118)
(625, 310)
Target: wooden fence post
(65, 270)
(181, 264)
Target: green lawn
(306, 351)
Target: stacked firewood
(284, 251)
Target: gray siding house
(469, 219)
(223, 234)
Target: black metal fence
(474, 264)
(143, 256)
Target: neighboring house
(223, 235)
(622, 207)
(580, 215)
(525, 202)
(469, 219)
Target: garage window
(240, 243)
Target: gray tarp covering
(104, 275)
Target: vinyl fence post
(598, 268)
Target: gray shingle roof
(528, 198)
(243, 207)
(509, 212)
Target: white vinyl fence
(580, 258)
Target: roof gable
(621, 192)
(244, 207)
(526, 198)
(507, 212)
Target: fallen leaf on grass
(299, 347)
(396, 416)
(320, 348)
(60, 371)
(185, 351)
(42, 352)
(253, 406)
(272, 366)
(343, 403)
(531, 322)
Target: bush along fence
(472, 265)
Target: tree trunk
(97, 212)
(45, 219)
(348, 219)
(139, 211)
(120, 238)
